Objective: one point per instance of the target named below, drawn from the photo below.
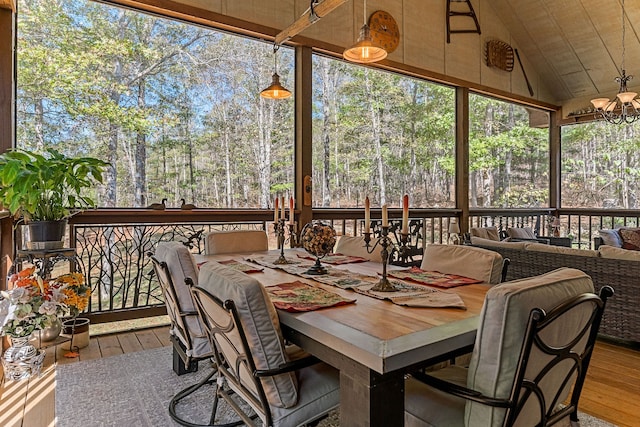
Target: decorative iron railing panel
(115, 261)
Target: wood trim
(555, 161)
(306, 20)
(7, 78)
(8, 4)
(215, 20)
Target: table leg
(370, 399)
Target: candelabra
(279, 229)
(384, 285)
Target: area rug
(134, 389)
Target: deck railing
(112, 244)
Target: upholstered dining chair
(235, 241)
(173, 265)
(355, 246)
(469, 261)
(255, 368)
(530, 359)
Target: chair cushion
(521, 233)
(426, 406)
(318, 393)
(630, 238)
(490, 233)
(468, 261)
(355, 246)
(503, 322)
(235, 241)
(541, 247)
(611, 238)
(182, 264)
(607, 251)
(260, 321)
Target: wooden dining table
(374, 343)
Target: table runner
(433, 278)
(236, 265)
(336, 259)
(298, 296)
(411, 295)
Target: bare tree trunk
(265, 123)
(326, 147)
(39, 125)
(140, 174)
(377, 143)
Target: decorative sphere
(318, 239)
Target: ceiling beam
(8, 4)
(307, 19)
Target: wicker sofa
(622, 316)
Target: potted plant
(44, 190)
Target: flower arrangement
(33, 303)
(318, 239)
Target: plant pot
(22, 359)
(80, 332)
(46, 234)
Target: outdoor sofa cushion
(541, 247)
(489, 233)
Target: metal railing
(112, 245)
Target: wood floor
(611, 392)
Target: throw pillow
(521, 233)
(630, 238)
(611, 238)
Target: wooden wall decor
(465, 12)
(499, 54)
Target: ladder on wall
(467, 12)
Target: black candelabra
(279, 229)
(385, 242)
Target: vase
(52, 331)
(22, 360)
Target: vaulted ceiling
(575, 45)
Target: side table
(45, 259)
(560, 241)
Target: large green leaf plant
(46, 187)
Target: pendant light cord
(365, 12)
(275, 58)
(623, 31)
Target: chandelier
(624, 108)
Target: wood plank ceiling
(575, 45)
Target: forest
(175, 109)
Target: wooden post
(462, 156)
(303, 137)
(555, 160)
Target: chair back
(468, 261)
(173, 264)
(355, 246)
(235, 241)
(257, 337)
(533, 347)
